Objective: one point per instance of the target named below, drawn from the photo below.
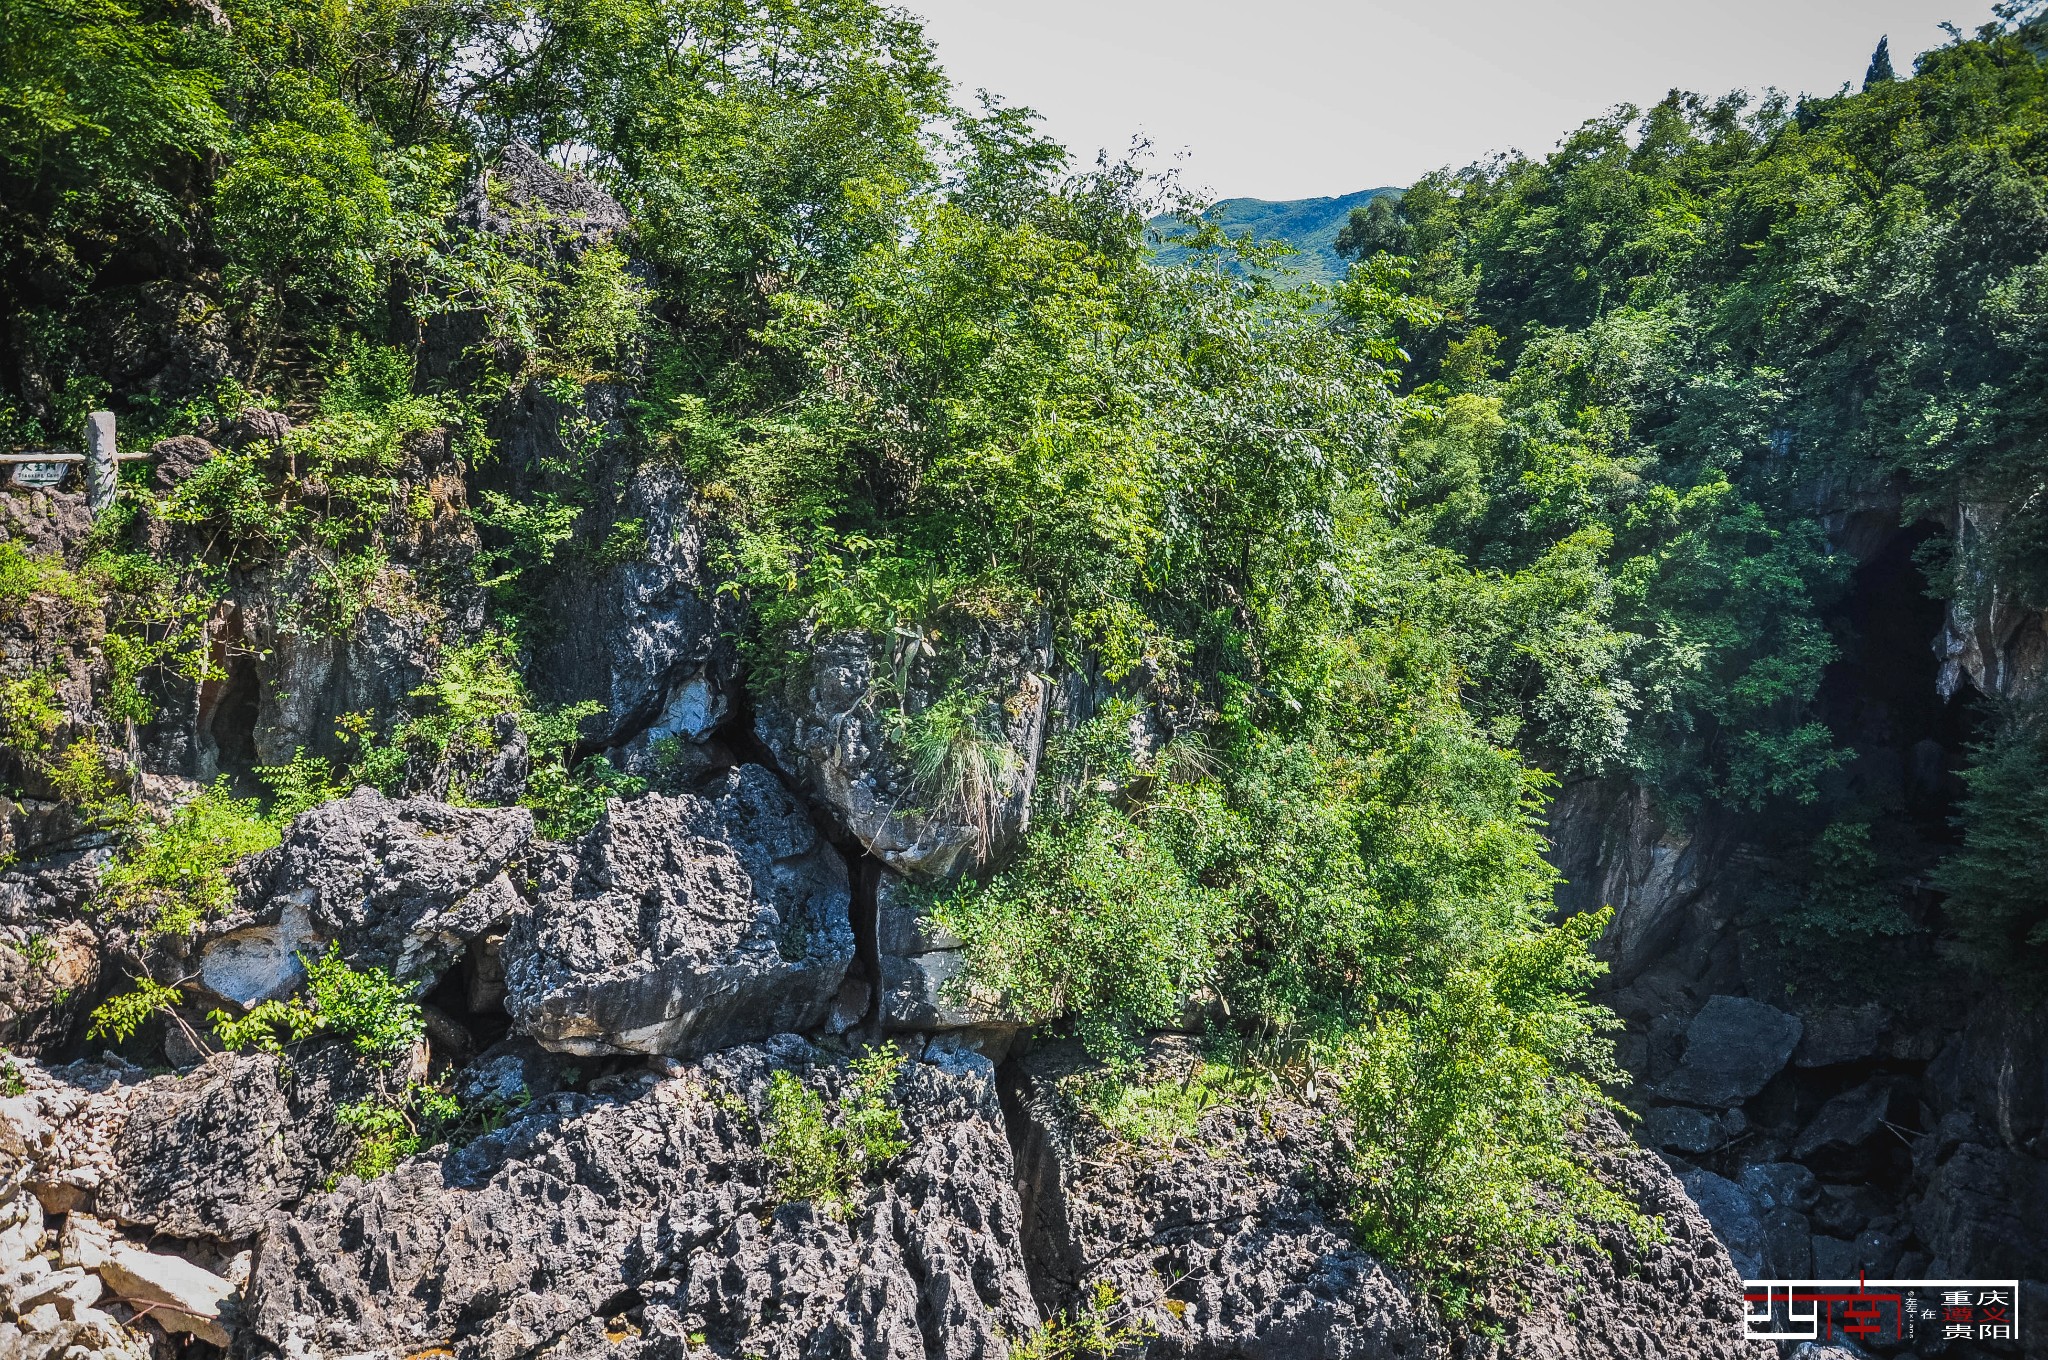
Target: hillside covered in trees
(713, 675)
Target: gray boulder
(1839, 1138)
(624, 1224)
(1733, 1047)
(836, 725)
(1215, 1244)
(648, 636)
(921, 964)
(207, 1155)
(521, 195)
(1681, 1128)
(1840, 1034)
(683, 925)
(213, 1153)
(1985, 1214)
(403, 885)
(1781, 1185)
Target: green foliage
(30, 717)
(291, 1018)
(956, 747)
(1460, 1112)
(872, 1130)
(120, 1015)
(12, 1083)
(824, 1162)
(1365, 894)
(173, 874)
(1997, 902)
(801, 1144)
(476, 686)
(421, 1117)
(385, 1136)
(376, 1015)
(1100, 1329)
(1162, 1113)
(300, 785)
(1852, 893)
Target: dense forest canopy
(1531, 495)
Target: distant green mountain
(1307, 224)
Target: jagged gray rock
(401, 884)
(212, 1154)
(683, 925)
(623, 1223)
(1732, 1213)
(648, 635)
(920, 964)
(1840, 1034)
(1837, 1139)
(521, 194)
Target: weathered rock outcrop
(1990, 640)
(50, 952)
(629, 1222)
(649, 635)
(837, 726)
(1732, 1048)
(400, 884)
(213, 1153)
(685, 924)
(919, 963)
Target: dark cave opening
(1879, 698)
(227, 723)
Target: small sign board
(39, 474)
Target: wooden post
(102, 463)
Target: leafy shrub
(119, 1016)
(300, 785)
(30, 717)
(1162, 1113)
(1852, 893)
(1365, 895)
(823, 1162)
(385, 1136)
(801, 1144)
(1997, 881)
(1100, 1329)
(1459, 1113)
(12, 1082)
(172, 874)
(389, 1131)
(364, 1006)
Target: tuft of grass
(962, 764)
(1160, 1114)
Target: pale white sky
(1302, 98)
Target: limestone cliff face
(619, 1005)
